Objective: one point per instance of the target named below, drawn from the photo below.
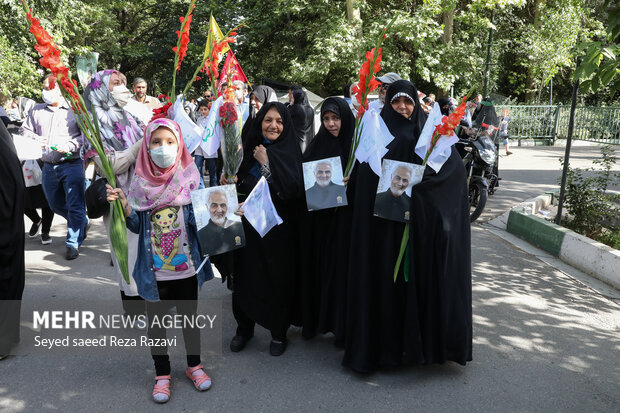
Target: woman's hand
(345, 180)
(260, 154)
(224, 181)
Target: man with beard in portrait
(220, 234)
(324, 193)
(394, 203)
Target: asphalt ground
(543, 341)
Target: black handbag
(96, 195)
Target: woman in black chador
(264, 281)
(302, 115)
(325, 233)
(426, 319)
(12, 268)
(225, 263)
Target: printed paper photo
(393, 199)
(323, 184)
(219, 229)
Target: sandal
(201, 383)
(161, 394)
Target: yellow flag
(214, 34)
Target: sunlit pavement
(542, 340)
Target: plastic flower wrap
(231, 122)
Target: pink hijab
(152, 186)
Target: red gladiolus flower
(212, 62)
(446, 127)
(183, 37)
(50, 59)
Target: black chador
(426, 319)
(264, 281)
(324, 238)
(12, 270)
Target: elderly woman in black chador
(264, 281)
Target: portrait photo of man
(223, 231)
(323, 188)
(394, 203)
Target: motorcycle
(480, 157)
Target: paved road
(542, 341)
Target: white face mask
(164, 156)
(121, 94)
(239, 94)
(51, 96)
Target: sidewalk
(542, 340)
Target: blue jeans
(63, 185)
(211, 167)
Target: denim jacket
(139, 222)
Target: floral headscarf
(153, 186)
(119, 129)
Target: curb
(585, 254)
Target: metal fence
(596, 124)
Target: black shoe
(277, 348)
(238, 343)
(72, 253)
(46, 239)
(34, 229)
(86, 229)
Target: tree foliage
(438, 44)
(601, 64)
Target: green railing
(596, 124)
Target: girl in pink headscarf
(158, 208)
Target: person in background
(139, 95)
(302, 116)
(427, 104)
(35, 198)
(52, 123)
(386, 80)
(14, 111)
(241, 92)
(503, 129)
(202, 159)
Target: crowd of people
(326, 270)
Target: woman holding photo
(264, 281)
(324, 234)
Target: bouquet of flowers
(231, 123)
(88, 125)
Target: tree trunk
(353, 12)
(448, 29)
(448, 26)
(353, 16)
(530, 83)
